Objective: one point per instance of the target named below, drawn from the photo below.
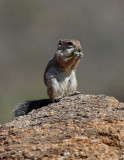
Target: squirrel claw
(76, 93)
(55, 100)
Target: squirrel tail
(27, 106)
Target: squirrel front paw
(78, 54)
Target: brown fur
(59, 75)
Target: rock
(78, 127)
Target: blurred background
(29, 32)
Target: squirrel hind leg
(54, 89)
(76, 93)
(57, 99)
(54, 94)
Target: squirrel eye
(69, 43)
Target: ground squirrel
(59, 76)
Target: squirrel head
(67, 47)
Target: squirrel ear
(60, 42)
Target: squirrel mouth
(70, 55)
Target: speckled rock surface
(78, 127)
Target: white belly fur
(62, 83)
